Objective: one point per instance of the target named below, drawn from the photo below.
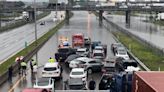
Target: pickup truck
(63, 53)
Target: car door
(94, 65)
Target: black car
(123, 64)
(109, 66)
(63, 53)
(107, 82)
(75, 84)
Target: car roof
(121, 48)
(77, 69)
(82, 58)
(97, 51)
(75, 81)
(43, 79)
(55, 64)
(81, 49)
(99, 47)
(129, 61)
(109, 64)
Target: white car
(76, 6)
(99, 48)
(74, 63)
(82, 52)
(121, 52)
(79, 73)
(44, 83)
(52, 70)
(98, 54)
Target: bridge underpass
(100, 9)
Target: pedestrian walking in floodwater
(10, 73)
(92, 84)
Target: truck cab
(77, 40)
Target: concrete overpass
(101, 9)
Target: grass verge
(144, 53)
(4, 66)
(21, 22)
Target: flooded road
(148, 31)
(81, 22)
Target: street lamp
(36, 43)
(35, 22)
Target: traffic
(78, 60)
(84, 58)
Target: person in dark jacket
(10, 73)
(92, 84)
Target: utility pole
(36, 43)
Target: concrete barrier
(4, 76)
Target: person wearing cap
(51, 60)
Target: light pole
(36, 43)
(35, 22)
(56, 9)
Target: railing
(90, 8)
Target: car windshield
(98, 54)
(109, 69)
(122, 52)
(126, 64)
(63, 50)
(80, 52)
(77, 73)
(50, 68)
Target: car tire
(90, 71)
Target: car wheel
(89, 71)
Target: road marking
(16, 84)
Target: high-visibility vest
(51, 60)
(23, 64)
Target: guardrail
(90, 8)
(129, 52)
(4, 76)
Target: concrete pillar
(67, 17)
(100, 17)
(31, 16)
(127, 17)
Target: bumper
(51, 75)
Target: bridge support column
(67, 16)
(127, 18)
(31, 16)
(100, 17)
